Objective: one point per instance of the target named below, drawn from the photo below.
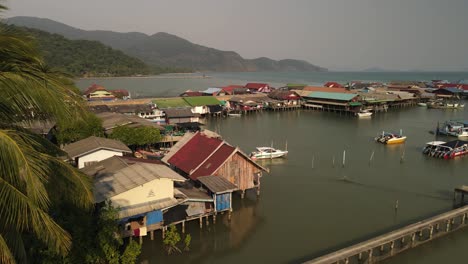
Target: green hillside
(168, 50)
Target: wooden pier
(392, 243)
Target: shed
(221, 189)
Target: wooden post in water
(152, 234)
(371, 157)
(313, 157)
(333, 162)
(183, 227)
(344, 157)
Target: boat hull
(396, 141)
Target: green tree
(32, 177)
(74, 130)
(136, 136)
(171, 240)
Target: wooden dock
(392, 243)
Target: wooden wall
(239, 171)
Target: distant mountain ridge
(163, 49)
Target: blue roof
(211, 90)
(332, 96)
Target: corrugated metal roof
(332, 96)
(150, 206)
(179, 112)
(211, 90)
(186, 138)
(217, 184)
(111, 120)
(194, 152)
(202, 101)
(213, 162)
(194, 194)
(90, 144)
(107, 185)
(171, 103)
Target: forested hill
(84, 57)
(167, 49)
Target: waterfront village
(192, 173)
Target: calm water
(308, 206)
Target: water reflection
(223, 238)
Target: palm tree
(32, 176)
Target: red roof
(463, 86)
(230, 88)
(194, 152)
(94, 87)
(326, 89)
(191, 93)
(120, 91)
(255, 86)
(214, 162)
(333, 84)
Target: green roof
(332, 96)
(202, 100)
(177, 102)
(355, 103)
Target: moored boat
(364, 113)
(390, 138)
(453, 128)
(446, 150)
(268, 153)
(234, 115)
(422, 104)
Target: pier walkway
(392, 243)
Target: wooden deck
(389, 244)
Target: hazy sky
(339, 34)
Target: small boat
(453, 128)
(446, 150)
(422, 104)
(364, 113)
(390, 138)
(234, 115)
(267, 153)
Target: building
(333, 85)
(213, 91)
(191, 93)
(140, 190)
(334, 102)
(112, 120)
(448, 92)
(285, 98)
(258, 87)
(233, 90)
(98, 93)
(94, 149)
(180, 115)
(200, 104)
(200, 154)
(326, 89)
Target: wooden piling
(152, 234)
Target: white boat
(268, 153)
(235, 115)
(364, 113)
(422, 104)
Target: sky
(337, 34)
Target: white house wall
(96, 156)
(200, 110)
(150, 191)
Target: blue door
(223, 201)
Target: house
(200, 105)
(112, 120)
(211, 91)
(45, 128)
(121, 94)
(258, 87)
(98, 93)
(325, 89)
(285, 98)
(94, 149)
(180, 115)
(333, 85)
(199, 154)
(221, 190)
(191, 93)
(448, 92)
(337, 102)
(295, 86)
(141, 190)
(233, 90)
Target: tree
(136, 136)
(171, 240)
(32, 177)
(74, 130)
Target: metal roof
(202, 100)
(147, 207)
(177, 102)
(217, 184)
(107, 185)
(211, 90)
(332, 96)
(179, 112)
(91, 144)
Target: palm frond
(6, 255)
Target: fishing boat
(267, 153)
(234, 115)
(390, 138)
(422, 104)
(364, 113)
(446, 150)
(453, 128)
(445, 105)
